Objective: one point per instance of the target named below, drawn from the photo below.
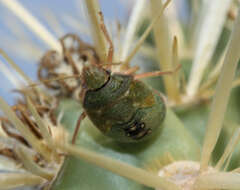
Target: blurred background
(59, 17)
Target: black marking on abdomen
(137, 131)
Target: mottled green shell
(125, 109)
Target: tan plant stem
(13, 180)
(221, 96)
(97, 33)
(175, 63)
(213, 75)
(163, 43)
(228, 162)
(139, 175)
(229, 149)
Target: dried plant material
(62, 73)
(60, 135)
(2, 132)
(42, 126)
(221, 96)
(28, 163)
(11, 132)
(9, 153)
(182, 173)
(14, 180)
(7, 164)
(27, 134)
(218, 180)
(7, 149)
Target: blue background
(59, 8)
(112, 9)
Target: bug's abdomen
(124, 109)
(142, 125)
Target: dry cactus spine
(53, 147)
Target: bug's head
(94, 77)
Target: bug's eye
(84, 58)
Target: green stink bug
(119, 105)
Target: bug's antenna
(106, 34)
(146, 33)
(54, 79)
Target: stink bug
(119, 105)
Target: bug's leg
(156, 73)
(81, 117)
(105, 32)
(131, 70)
